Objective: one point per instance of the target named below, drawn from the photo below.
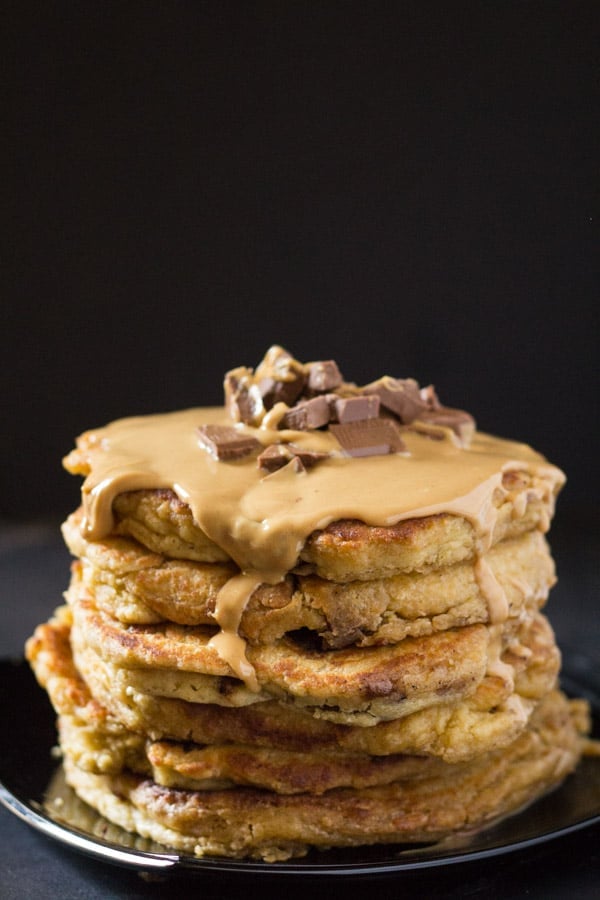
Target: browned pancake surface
(346, 550)
(138, 587)
(248, 822)
(455, 731)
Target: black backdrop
(410, 188)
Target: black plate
(31, 787)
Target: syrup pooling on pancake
(425, 461)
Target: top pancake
(431, 499)
(346, 550)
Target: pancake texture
(489, 718)
(346, 550)
(310, 618)
(138, 588)
(353, 683)
(272, 826)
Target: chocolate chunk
(323, 376)
(278, 455)
(280, 377)
(369, 437)
(400, 396)
(242, 398)
(250, 406)
(308, 458)
(352, 409)
(225, 443)
(273, 391)
(274, 457)
(307, 414)
(279, 364)
(295, 465)
(461, 422)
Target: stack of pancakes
(396, 684)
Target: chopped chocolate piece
(274, 457)
(323, 376)
(242, 397)
(278, 455)
(352, 409)
(369, 437)
(250, 405)
(279, 364)
(461, 422)
(332, 399)
(307, 414)
(293, 464)
(225, 443)
(309, 458)
(273, 391)
(399, 395)
(280, 377)
(296, 465)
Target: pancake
(492, 717)
(354, 685)
(346, 550)
(138, 587)
(246, 822)
(189, 766)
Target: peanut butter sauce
(492, 590)
(262, 520)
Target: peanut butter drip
(492, 591)
(262, 520)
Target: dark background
(410, 188)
